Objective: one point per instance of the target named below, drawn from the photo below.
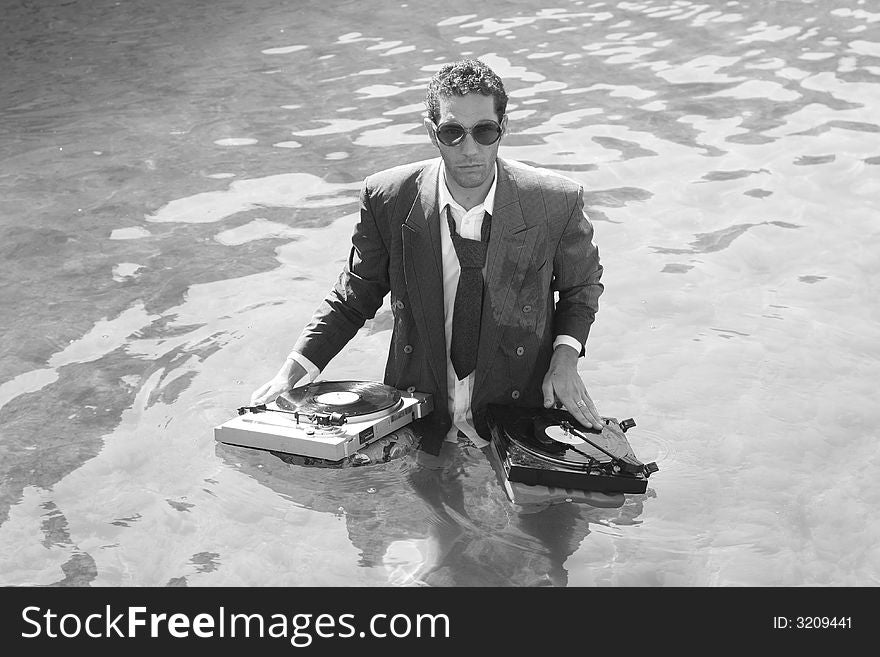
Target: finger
(547, 389)
(585, 412)
(578, 413)
(259, 394)
(593, 414)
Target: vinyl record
(350, 398)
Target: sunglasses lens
(486, 133)
(450, 134)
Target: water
(178, 182)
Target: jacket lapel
(511, 243)
(423, 271)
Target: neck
(468, 197)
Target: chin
(472, 179)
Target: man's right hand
(289, 374)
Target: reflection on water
(174, 206)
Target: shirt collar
(445, 196)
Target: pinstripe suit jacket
(542, 280)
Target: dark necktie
(468, 297)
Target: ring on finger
(581, 403)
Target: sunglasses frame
(465, 131)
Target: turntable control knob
(310, 432)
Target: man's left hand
(562, 383)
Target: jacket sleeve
(577, 275)
(356, 296)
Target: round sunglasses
(484, 133)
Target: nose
(469, 146)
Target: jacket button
(527, 308)
(407, 349)
(515, 394)
(520, 351)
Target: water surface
(178, 183)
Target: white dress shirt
(468, 224)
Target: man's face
(468, 164)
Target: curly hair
(460, 78)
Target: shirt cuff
(312, 372)
(570, 341)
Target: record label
(337, 398)
(561, 435)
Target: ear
(429, 128)
(504, 125)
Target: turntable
(326, 420)
(549, 447)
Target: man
(475, 251)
